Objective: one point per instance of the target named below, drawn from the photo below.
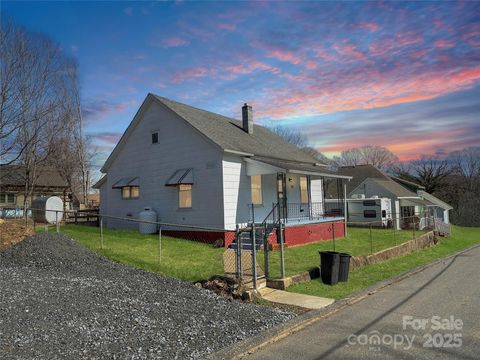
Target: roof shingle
(228, 134)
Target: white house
(407, 199)
(199, 168)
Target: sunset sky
(403, 75)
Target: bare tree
(298, 139)
(431, 173)
(37, 93)
(466, 164)
(377, 156)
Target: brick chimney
(247, 118)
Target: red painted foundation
(308, 233)
(207, 237)
(293, 235)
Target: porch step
(246, 246)
(247, 240)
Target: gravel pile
(60, 300)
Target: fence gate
(253, 253)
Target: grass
(305, 257)
(181, 259)
(366, 276)
(194, 261)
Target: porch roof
(434, 200)
(264, 165)
(413, 201)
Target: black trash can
(329, 267)
(344, 267)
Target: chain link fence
(191, 253)
(249, 254)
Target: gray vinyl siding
(179, 146)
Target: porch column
(397, 214)
(345, 207)
(446, 218)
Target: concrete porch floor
(288, 298)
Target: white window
(184, 196)
(303, 190)
(7, 198)
(256, 185)
(130, 192)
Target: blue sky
(403, 75)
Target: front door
(282, 195)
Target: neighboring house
(199, 168)
(48, 182)
(408, 199)
(93, 201)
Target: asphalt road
(411, 319)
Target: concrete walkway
(288, 298)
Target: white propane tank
(148, 214)
(47, 210)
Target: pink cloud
(249, 67)
(370, 26)
(239, 69)
(389, 46)
(408, 38)
(286, 56)
(174, 41)
(227, 27)
(191, 73)
(108, 137)
(376, 91)
(350, 51)
(323, 54)
(418, 54)
(310, 65)
(444, 44)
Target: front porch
(294, 194)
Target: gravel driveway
(60, 300)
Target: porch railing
(312, 211)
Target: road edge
(272, 335)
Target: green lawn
(305, 257)
(366, 276)
(181, 259)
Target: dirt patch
(225, 287)
(12, 232)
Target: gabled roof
(360, 173)
(224, 132)
(46, 177)
(100, 182)
(409, 184)
(229, 134)
(395, 188)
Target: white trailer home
(362, 211)
(374, 210)
(198, 168)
